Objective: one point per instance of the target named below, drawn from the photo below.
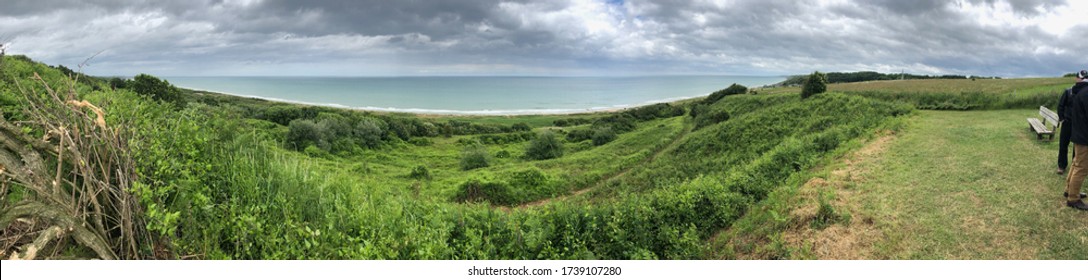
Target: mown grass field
(970, 185)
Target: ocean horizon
(473, 95)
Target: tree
(545, 146)
(155, 88)
(814, 84)
(117, 83)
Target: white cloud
(980, 37)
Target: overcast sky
(1010, 38)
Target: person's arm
(1061, 105)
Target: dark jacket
(1078, 113)
(1064, 103)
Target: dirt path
(845, 240)
(623, 172)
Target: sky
(1008, 38)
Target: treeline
(853, 77)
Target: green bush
(477, 190)
(528, 178)
(475, 156)
(545, 146)
(603, 135)
(305, 133)
(579, 135)
(620, 123)
(155, 88)
(368, 133)
(501, 139)
(571, 121)
(816, 83)
(521, 127)
(655, 111)
(710, 118)
(420, 173)
(697, 109)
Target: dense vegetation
(220, 177)
(864, 76)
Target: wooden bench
(1041, 128)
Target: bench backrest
(1050, 116)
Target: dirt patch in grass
(851, 234)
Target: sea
(473, 95)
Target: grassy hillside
(949, 185)
(220, 177)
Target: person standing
(1079, 137)
(1065, 128)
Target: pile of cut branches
(74, 174)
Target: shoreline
(457, 113)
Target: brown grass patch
(843, 240)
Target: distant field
(957, 85)
(955, 94)
(1021, 85)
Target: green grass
(948, 185)
(971, 185)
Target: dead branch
(87, 193)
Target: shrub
(314, 151)
(476, 190)
(305, 133)
(697, 109)
(545, 146)
(506, 138)
(368, 133)
(521, 127)
(420, 172)
(710, 118)
(656, 111)
(603, 135)
(399, 128)
(620, 123)
(579, 135)
(284, 114)
(429, 129)
(527, 178)
(571, 121)
(117, 83)
(475, 156)
(503, 154)
(815, 84)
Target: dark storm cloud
(252, 37)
